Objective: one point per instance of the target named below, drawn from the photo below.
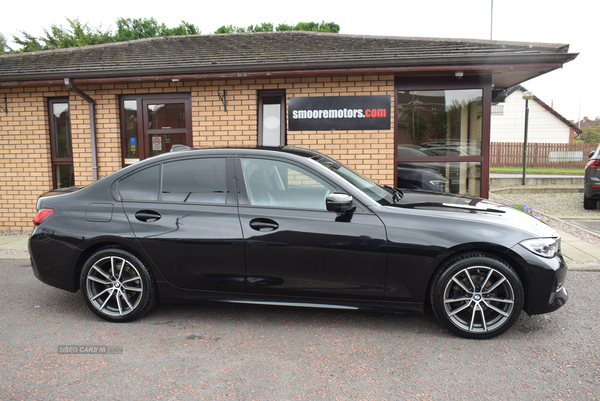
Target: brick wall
(25, 164)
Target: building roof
(555, 113)
(283, 53)
(586, 122)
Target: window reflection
(62, 136)
(440, 122)
(131, 128)
(455, 177)
(166, 116)
(65, 176)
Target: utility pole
(527, 96)
(492, 21)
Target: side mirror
(340, 203)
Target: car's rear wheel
(589, 203)
(477, 296)
(117, 285)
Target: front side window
(275, 183)
(371, 189)
(60, 143)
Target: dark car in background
(292, 227)
(591, 181)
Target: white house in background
(546, 125)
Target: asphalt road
(243, 352)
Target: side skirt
(170, 294)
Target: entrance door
(153, 124)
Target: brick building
(380, 105)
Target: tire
(477, 296)
(117, 286)
(589, 203)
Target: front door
(153, 124)
(295, 247)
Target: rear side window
(141, 186)
(195, 181)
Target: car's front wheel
(589, 203)
(117, 285)
(477, 296)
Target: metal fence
(543, 155)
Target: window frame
(283, 123)
(450, 83)
(54, 160)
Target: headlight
(544, 247)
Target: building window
(439, 140)
(271, 119)
(152, 124)
(60, 143)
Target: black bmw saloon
(293, 227)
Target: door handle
(148, 216)
(264, 225)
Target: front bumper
(544, 281)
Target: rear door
(188, 222)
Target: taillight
(42, 216)
(594, 163)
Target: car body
(591, 181)
(291, 226)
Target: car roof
(181, 150)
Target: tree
(78, 35)
(268, 27)
(57, 37)
(184, 28)
(30, 43)
(311, 26)
(3, 46)
(230, 29)
(589, 134)
(264, 27)
(133, 29)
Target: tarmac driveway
(251, 352)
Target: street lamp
(527, 96)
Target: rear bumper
(592, 189)
(50, 262)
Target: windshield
(371, 189)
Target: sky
(570, 90)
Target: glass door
(153, 124)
